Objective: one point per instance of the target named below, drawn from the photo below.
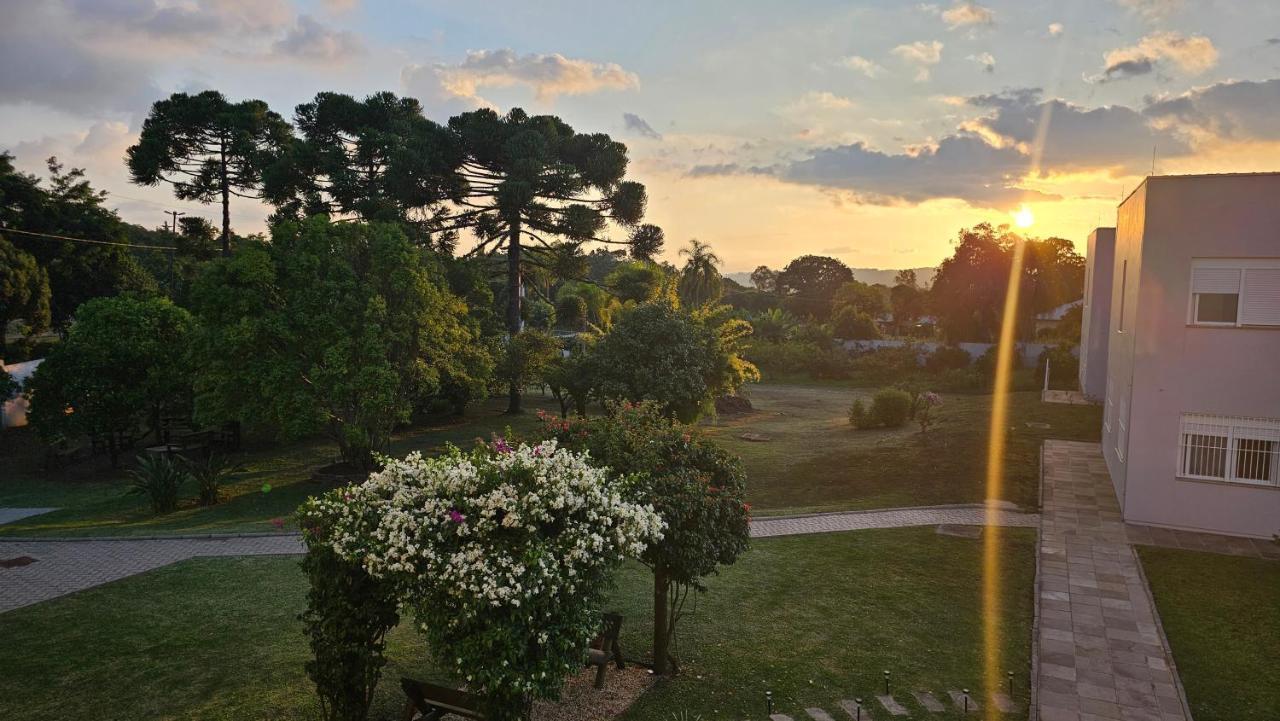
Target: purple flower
(500, 445)
(455, 516)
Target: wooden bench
(433, 701)
(606, 648)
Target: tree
(572, 377)
(908, 304)
(696, 487)
(866, 299)
(208, 148)
(765, 279)
(71, 208)
(680, 359)
(329, 327)
(527, 357)
(809, 284)
(123, 364)
(647, 242)
(700, 279)
(969, 291)
(531, 184)
(24, 292)
(377, 159)
(598, 304)
(571, 311)
(906, 277)
(850, 323)
(636, 281)
(773, 325)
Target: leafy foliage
(527, 357)
(852, 323)
(809, 284)
(24, 292)
(504, 554)
(208, 148)
(210, 473)
(696, 487)
(158, 477)
(681, 360)
(636, 281)
(346, 620)
(890, 407)
(124, 362)
(700, 279)
(337, 328)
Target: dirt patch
(733, 405)
(754, 437)
(581, 701)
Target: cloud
(1055, 29)
(1192, 54)
(921, 55)
(1078, 138)
(965, 14)
(636, 124)
(1235, 110)
(986, 60)
(310, 39)
(862, 65)
(1152, 10)
(823, 100)
(548, 75)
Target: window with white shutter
(1229, 448)
(1235, 292)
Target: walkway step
(851, 708)
(929, 701)
(1002, 701)
(818, 714)
(957, 698)
(893, 707)
(779, 717)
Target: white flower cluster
(513, 528)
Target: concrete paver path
(67, 566)
(1099, 649)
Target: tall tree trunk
(513, 303)
(226, 204)
(661, 619)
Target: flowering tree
(694, 485)
(503, 554)
(924, 411)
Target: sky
(867, 131)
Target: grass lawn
(816, 461)
(813, 618)
(1222, 617)
(94, 501)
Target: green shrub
(890, 407)
(884, 365)
(851, 323)
(858, 416)
(1064, 367)
(945, 358)
(209, 475)
(158, 478)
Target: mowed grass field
(814, 619)
(814, 460)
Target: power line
(87, 240)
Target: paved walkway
(1099, 649)
(1140, 535)
(9, 515)
(961, 515)
(62, 567)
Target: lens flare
(1023, 218)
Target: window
(1243, 450)
(1235, 291)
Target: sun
(1023, 218)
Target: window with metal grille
(1235, 292)
(1229, 448)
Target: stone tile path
(1071, 398)
(1197, 541)
(1099, 650)
(63, 567)
(9, 515)
(961, 515)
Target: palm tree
(700, 280)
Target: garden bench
(606, 648)
(433, 701)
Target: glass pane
(1254, 458)
(1205, 455)
(1216, 307)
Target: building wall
(1127, 264)
(1096, 319)
(1170, 367)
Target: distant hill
(866, 275)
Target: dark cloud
(1237, 110)
(310, 39)
(702, 171)
(636, 124)
(1078, 138)
(1127, 69)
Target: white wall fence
(1030, 351)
